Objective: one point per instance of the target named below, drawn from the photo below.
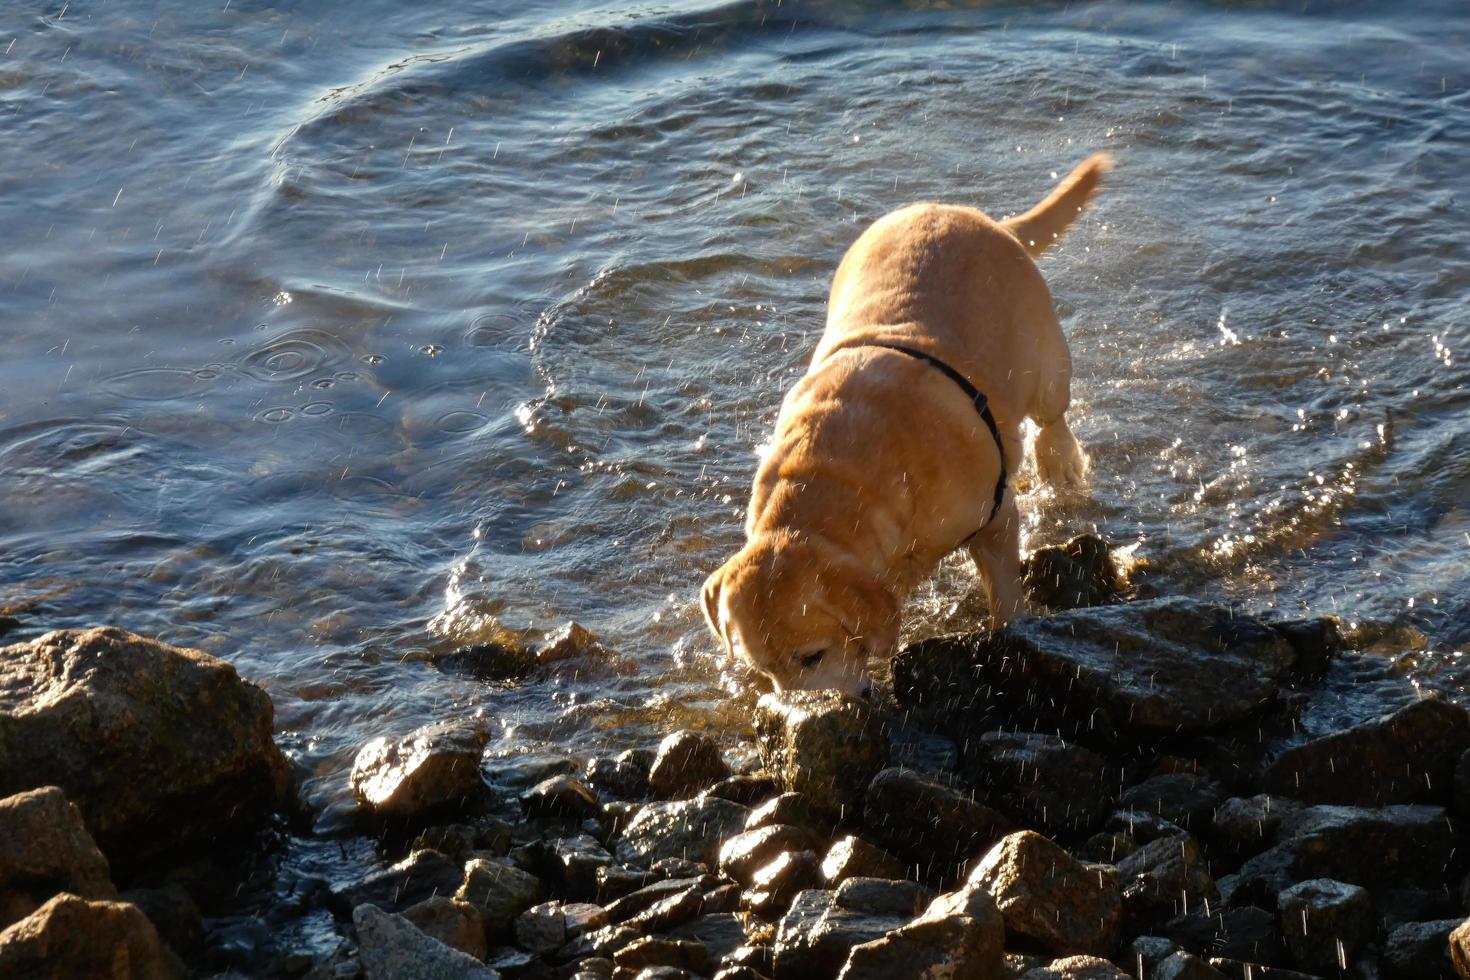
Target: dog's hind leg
(996, 549)
(1060, 460)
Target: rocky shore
(1119, 789)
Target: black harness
(982, 405)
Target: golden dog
(895, 447)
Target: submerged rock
(1406, 757)
(45, 849)
(160, 747)
(432, 770)
(822, 744)
(690, 829)
(392, 948)
(930, 825)
(686, 762)
(1080, 573)
(71, 937)
(1050, 898)
(421, 875)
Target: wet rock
(1164, 879)
(174, 915)
(619, 778)
(656, 973)
(853, 857)
(882, 896)
(1237, 970)
(758, 958)
(1040, 779)
(1049, 898)
(391, 948)
(720, 934)
(1077, 574)
(773, 886)
(678, 868)
(541, 928)
(1183, 799)
(583, 917)
(960, 934)
(580, 861)
(1247, 933)
(690, 829)
(71, 937)
(1315, 641)
(561, 796)
(452, 922)
(822, 744)
(568, 642)
(817, 934)
(1245, 826)
(746, 853)
(650, 951)
(432, 771)
(646, 897)
(615, 882)
(1077, 968)
(1410, 846)
(670, 912)
(504, 659)
(739, 973)
(747, 789)
(910, 747)
(160, 747)
(1419, 951)
(600, 943)
(1144, 953)
(787, 808)
(1186, 966)
(1108, 847)
(1406, 757)
(686, 762)
(499, 891)
(1460, 948)
(725, 898)
(1141, 826)
(45, 849)
(1322, 919)
(421, 875)
(932, 826)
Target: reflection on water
(337, 333)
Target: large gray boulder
(70, 937)
(160, 747)
(824, 745)
(45, 849)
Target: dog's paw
(1060, 459)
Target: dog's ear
(710, 594)
(870, 608)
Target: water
(334, 334)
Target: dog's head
(803, 613)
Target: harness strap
(981, 403)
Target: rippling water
(335, 333)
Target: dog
(940, 339)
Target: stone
(816, 935)
(960, 935)
(541, 928)
(1406, 757)
(1049, 898)
(739, 973)
(629, 905)
(1460, 949)
(657, 973)
(432, 771)
(619, 778)
(599, 943)
(686, 762)
(747, 788)
(391, 948)
(773, 886)
(882, 896)
(1184, 799)
(725, 898)
(824, 745)
(499, 891)
(1315, 641)
(421, 875)
(615, 882)
(670, 912)
(1245, 826)
(1419, 951)
(1107, 847)
(174, 915)
(69, 938)
(1164, 879)
(1074, 575)
(579, 860)
(1145, 953)
(561, 796)
(454, 923)
(568, 642)
(1142, 826)
(754, 956)
(1326, 922)
(787, 808)
(505, 658)
(1041, 780)
(1186, 966)
(583, 917)
(1244, 933)
(654, 951)
(1238, 970)
(720, 934)
(672, 867)
(853, 857)
(690, 829)
(161, 748)
(929, 825)
(1077, 968)
(45, 849)
(747, 852)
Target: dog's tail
(1045, 223)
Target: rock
(757, 958)
(621, 779)
(739, 973)
(1077, 968)
(686, 762)
(45, 849)
(630, 905)
(822, 744)
(1108, 847)
(725, 898)
(1186, 966)
(658, 973)
(930, 825)
(1315, 641)
(391, 948)
(174, 915)
(746, 853)
(1246, 826)
(1460, 949)
(747, 789)
(583, 917)
(1049, 898)
(500, 892)
(1419, 951)
(432, 771)
(502, 659)
(882, 896)
(561, 796)
(1406, 757)
(161, 748)
(421, 875)
(579, 862)
(687, 828)
(678, 868)
(1040, 779)
(773, 886)
(1183, 799)
(670, 912)
(69, 938)
(542, 928)
(1141, 826)
(816, 935)
(454, 923)
(960, 934)
(567, 643)
(910, 747)
(721, 934)
(1073, 575)
(1164, 879)
(853, 857)
(1237, 970)
(1247, 933)
(1145, 953)
(787, 808)
(1326, 923)
(600, 943)
(650, 951)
